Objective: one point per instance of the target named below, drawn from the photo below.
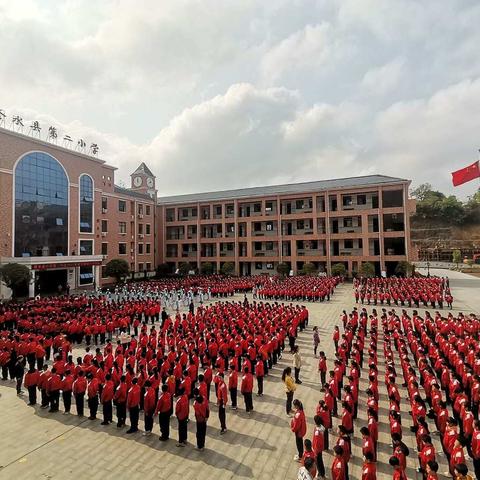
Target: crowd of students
(437, 360)
(428, 292)
(300, 288)
(161, 370)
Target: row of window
(122, 207)
(143, 229)
(122, 248)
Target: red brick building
(62, 215)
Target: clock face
(137, 181)
(150, 182)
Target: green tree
(421, 192)
(404, 269)
(367, 269)
(207, 268)
(228, 268)
(184, 268)
(117, 268)
(15, 276)
(283, 269)
(309, 268)
(163, 269)
(339, 270)
(456, 257)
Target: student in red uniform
(67, 387)
(369, 468)
(79, 388)
(164, 411)
(201, 410)
(318, 444)
(367, 442)
(149, 406)
(233, 386)
(298, 425)
(54, 385)
(246, 388)
(106, 398)
(120, 400)
(133, 405)
(398, 472)
(338, 464)
(308, 453)
(260, 374)
(431, 470)
(92, 394)
(222, 400)
(31, 381)
(182, 408)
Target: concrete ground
(35, 444)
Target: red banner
(49, 266)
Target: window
(104, 248)
(122, 227)
(218, 210)
(104, 204)
(147, 248)
(269, 246)
(86, 276)
(140, 267)
(140, 248)
(86, 204)
(361, 199)
(348, 243)
(268, 206)
(230, 209)
(258, 266)
(147, 229)
(269, 266)
(140, 228)
(298, 204)
(348, 222)
(194, 212)
(140, 209)
(86, 247)
(104, 271)
(269, 226)
(347, 200)
(170, 214)
(41, 206)
(257, 207)
(185, 212)
(122, 206)
(148, 268)
(104, 226)
(147, 210)
(257, 226)
(300, 224)
(257, 245)
(122, 248)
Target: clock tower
(143, 180)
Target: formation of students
(412, 291)
(160, 371)
(437, 360)
(300, 288)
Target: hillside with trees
(443, 222)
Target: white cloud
(221, 94)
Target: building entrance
(48, 281)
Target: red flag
(466, 174)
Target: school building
(62, 216)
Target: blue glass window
(41, 207)
(86, 204)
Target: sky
(219, 94)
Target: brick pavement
(35, 444)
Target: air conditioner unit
(104, 234)
(131, 250)
(140, 215)
(104, 210)
(140, 235)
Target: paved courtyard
(35, 444)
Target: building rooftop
(131, 193)
(291, 188)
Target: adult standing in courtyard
(297, 364)
(290, 388)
